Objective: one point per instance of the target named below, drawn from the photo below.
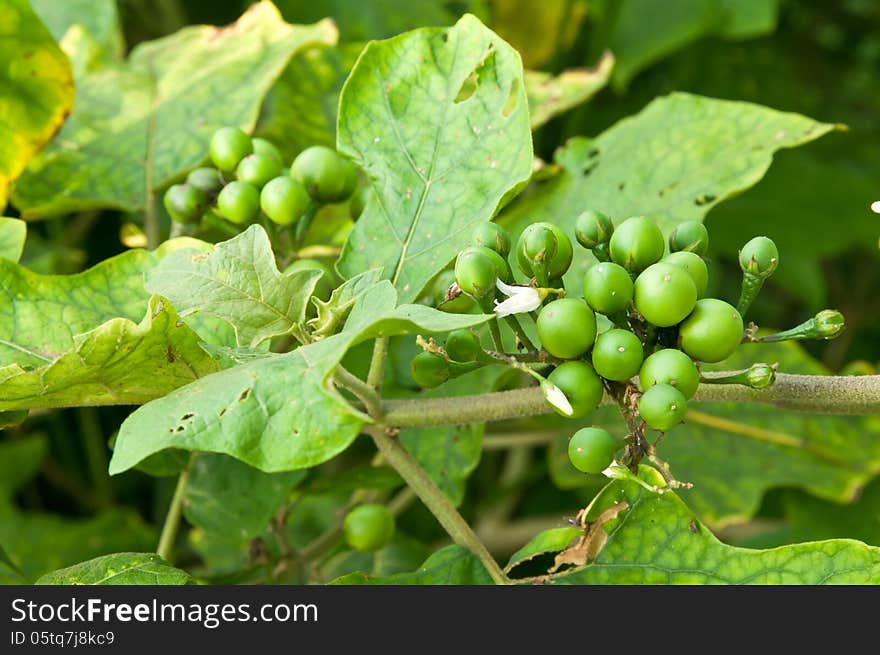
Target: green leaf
(277, 413)
(36, 89)
(675, 160)
(400, 555)
(553, 540)
(353, 478)
(13, 233)
(98, 18)
(448, 454)
(452, 565)
(551, 95)
(135, 130)
(119, 569)
(9, 571)
(230, 498)
(438, 119)
(336, 309)
(238, 283)
(656, 539)
(646, 31)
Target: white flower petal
(506, 289)
(520, 299)
(875, 207)
(555, 397)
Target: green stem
(172, 519)
(377, 363)
(361, 389)
(520, 332)
(303, 224)
(436, 501)
(751, 286)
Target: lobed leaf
(119, 569)
(550, 95)
(438, 119)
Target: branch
(823, 394)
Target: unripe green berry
(229, 145)
(326, 175)
(462, 346)
(493, 236)
(476, 272)
(617, 355)
(566, 327)
(608, 288)
(284, 200)
(368, 527)
(593, 228)
(591, 450)
(207, 179)
(581, 386)
(256, 170)
(636, 243)
(544, 244)
(689, 236)
(759, 257)
(239, 202)
(185, 203)
(267, 149)
(662, 407)
(672, 367)
(712, 332)
(694, 265)
(429, 370)
(664, 294)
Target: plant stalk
(165, 549)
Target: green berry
(664, 294)
(501, 267)
(492, 235)
(690, 236)
(429, 370)
(284, 200)
(476, 272)
(672, 367)
(608, 288)
(759, 257)
(185, 203)
(257, 169)
(544, 244)
(591, 450)
(636, 244)
(326, 283)
(326, 175)
(581, 386)
(207, 179)
(358, 201)
(267, 149)
(566, 328)
(694, 265)
(617, 355)
(463, 304)
(712, 331)
(662, 407)
(593, 228)
(368, 527)
(462, 346)
(229, 145)
(239, 202)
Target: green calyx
(543, 251)
(592, 229)
(757, 376)
(689, 236)
(759, 257)
(827, 324)
(492, 236)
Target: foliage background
(821, 59)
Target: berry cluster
(638, 333)
(250, 176)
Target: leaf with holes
(452, 565)
(36, 89)
(238, 283)
(658, 540)
(276, 413)
(550, 541)
(119, 569)
(139, 125)
(550, 95)
(438, 119)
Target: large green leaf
(98, 18)
(645, 30)
(141, 124)
(438, 119)
(36, 89)
(675, 160)
(656, 539)
(13, 233)
(119, 569)
(238, 283)
(452, 565)
(550, 95)
(279, 412)
(229, 498)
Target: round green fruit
(712, 331)
(617, 355)
(368, 527)
(267, 149)
(462, 346)
(672, 367)
(566, 328)
(476, 272)
(636, 244)
(593, 228)
(326, 175)
(759, 257)
(662, 407)
(207, 179)
(538, 236)
(608, 288)
(694, 265)
(284, 200)
(690, 236)
(229, 145)
(429, 370)
(581, 386)
(256, 170)
(185, 203)
(664, 294)
(591, 450)
(239, 202)
(492, 235)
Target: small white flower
(520, 300)
(875, 207)
(614, 471)
(555, 397)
